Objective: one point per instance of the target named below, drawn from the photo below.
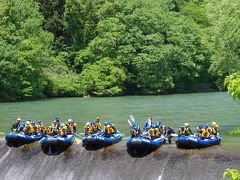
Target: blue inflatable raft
(56, 144)
(98, 140)
(15, 139)
(143, 142)
(193, 141)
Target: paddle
(76, 140)
(129, 122)
(174, 135)
(1, 133)
(133, 119)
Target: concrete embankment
(114, 162)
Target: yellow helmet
(186, 124)
(214, 123)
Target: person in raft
(135, 131)
(109, 129)
(15, 126)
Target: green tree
(224, 17)
(24, 51)
(103, 78)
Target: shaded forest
(68, 48)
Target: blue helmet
(33, 123)
(106, 123)
(182, 127)
(136, 127)
(54, 122)
(158, 122)
(206, 126)
(39, 121)
(22, 125)
(57, 118)
(200, 126)
(155, 126)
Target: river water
(114, 162)
(172, 110)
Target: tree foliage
(115, 47)
(232, 174)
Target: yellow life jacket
(88, 129)
(30, 129)
(94, 127)
(41, 128)
(134, 132)
(151, 133)
(98, 126)
(215, 130)
(73, 127)
(201, 133)
(62, 133)
(186, 130)
(208, 132)
(54, 128)
(181, 132)
(156, 132)
(109, 130)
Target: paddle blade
(132, 119)
(76, 140)
(1, 133)
(129, 122)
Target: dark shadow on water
(53, 150)
(93, 147)
(139, 152)
(14, 144)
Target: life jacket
(181, 132)
(50, 130)
(88, 130)
(187, 131)
(40, 128)
(153, 132)
(201, 133)
(94, 127)
(98, 126)
(156, 132)
(30, 130)
(62, 132)
(150, 133)
(208, 132)
(73, 127)
(215, 130)
(109, 130)
(134, 133)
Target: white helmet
(214, 123)
(28, 122)
(70, 120)
(186, 124)
(88, 124)
(18, 119)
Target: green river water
(172, 110)
(115, 162)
